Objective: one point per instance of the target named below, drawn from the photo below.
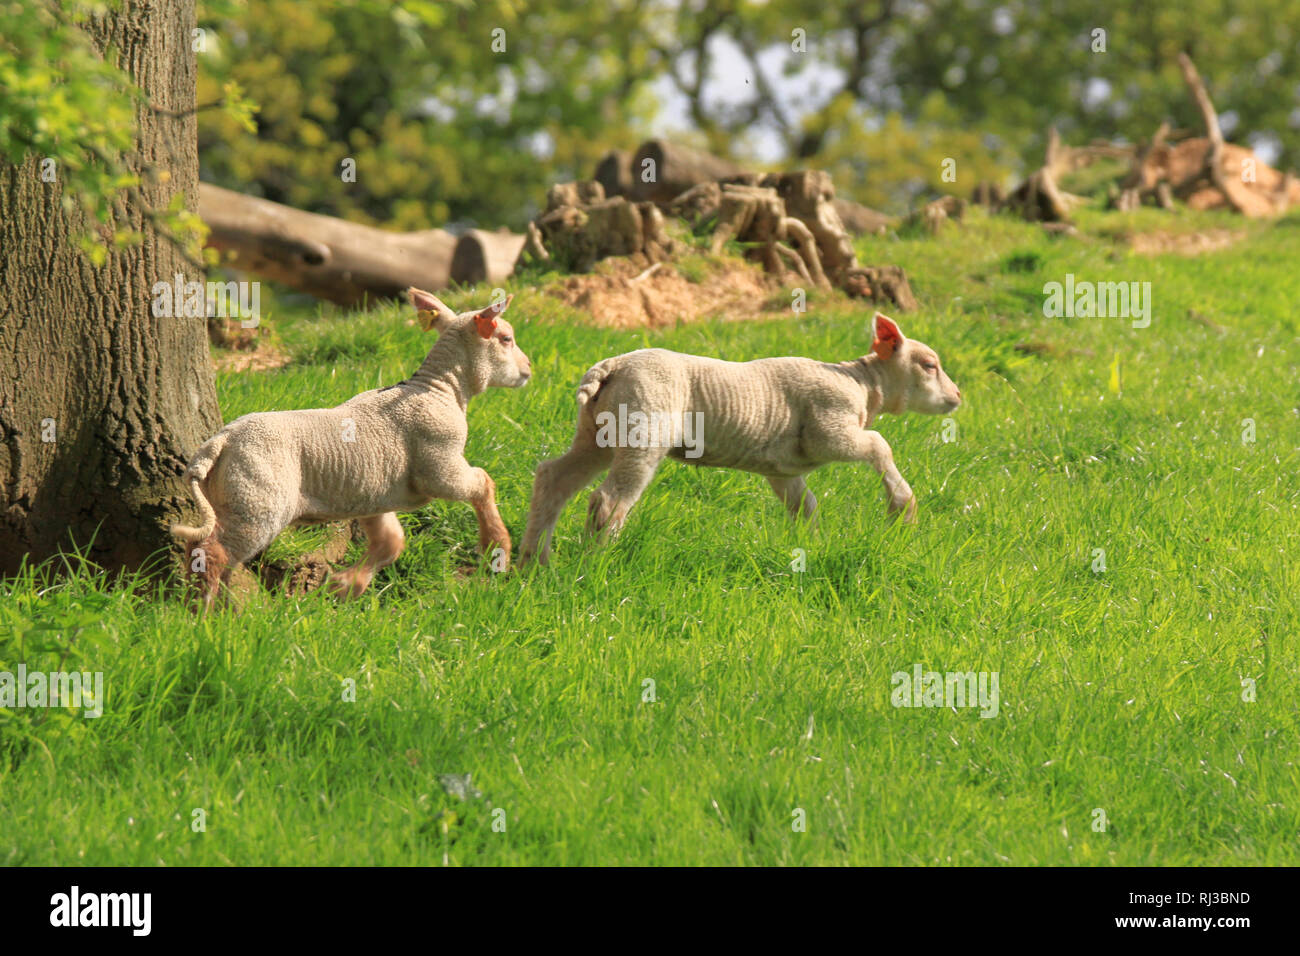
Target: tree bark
(101, 401)
(342, 262)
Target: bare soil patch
(254, 360)
(629, 292)
(1183, 243)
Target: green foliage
(901, 87)
(445, 128)
(1013, 69)
(71, 114)
(894, 163)
(441, 127)
(60, 102)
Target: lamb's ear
(886, 334)
(486, 320)
(430, 310)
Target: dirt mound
(250, 350)
(1183, 243)
(258, 360)
(624, 292)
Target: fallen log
(332, 259)
(862, 220)
(661, 171)
(483, 256)
(614, 173)
(1214, 157)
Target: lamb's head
(913, 379)
(492, 357)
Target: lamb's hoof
(347, 586)
(905, 510)
(496, 556)
(487, 566)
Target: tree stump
(580, 227)
(809, 197)
(697, 204)
(988, 193)
(881, 284)
(757, 214)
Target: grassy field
(1123, 691)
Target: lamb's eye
(506, 340)
(929, 366)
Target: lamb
(386, 450)
(779, 417)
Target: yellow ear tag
(428, 319)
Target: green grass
(1120, 690)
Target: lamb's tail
(203, 461)
(591, 382)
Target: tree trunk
(342, 262)
(102, 402)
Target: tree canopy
(416, 114)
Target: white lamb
(779, 417)
(386, 450)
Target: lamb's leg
(871, 447)
(492, 531)
(463, 482)
(235, 540)
(209, 562)
(796, 497)
(629, 476)
(558, 480)
(384, 542)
